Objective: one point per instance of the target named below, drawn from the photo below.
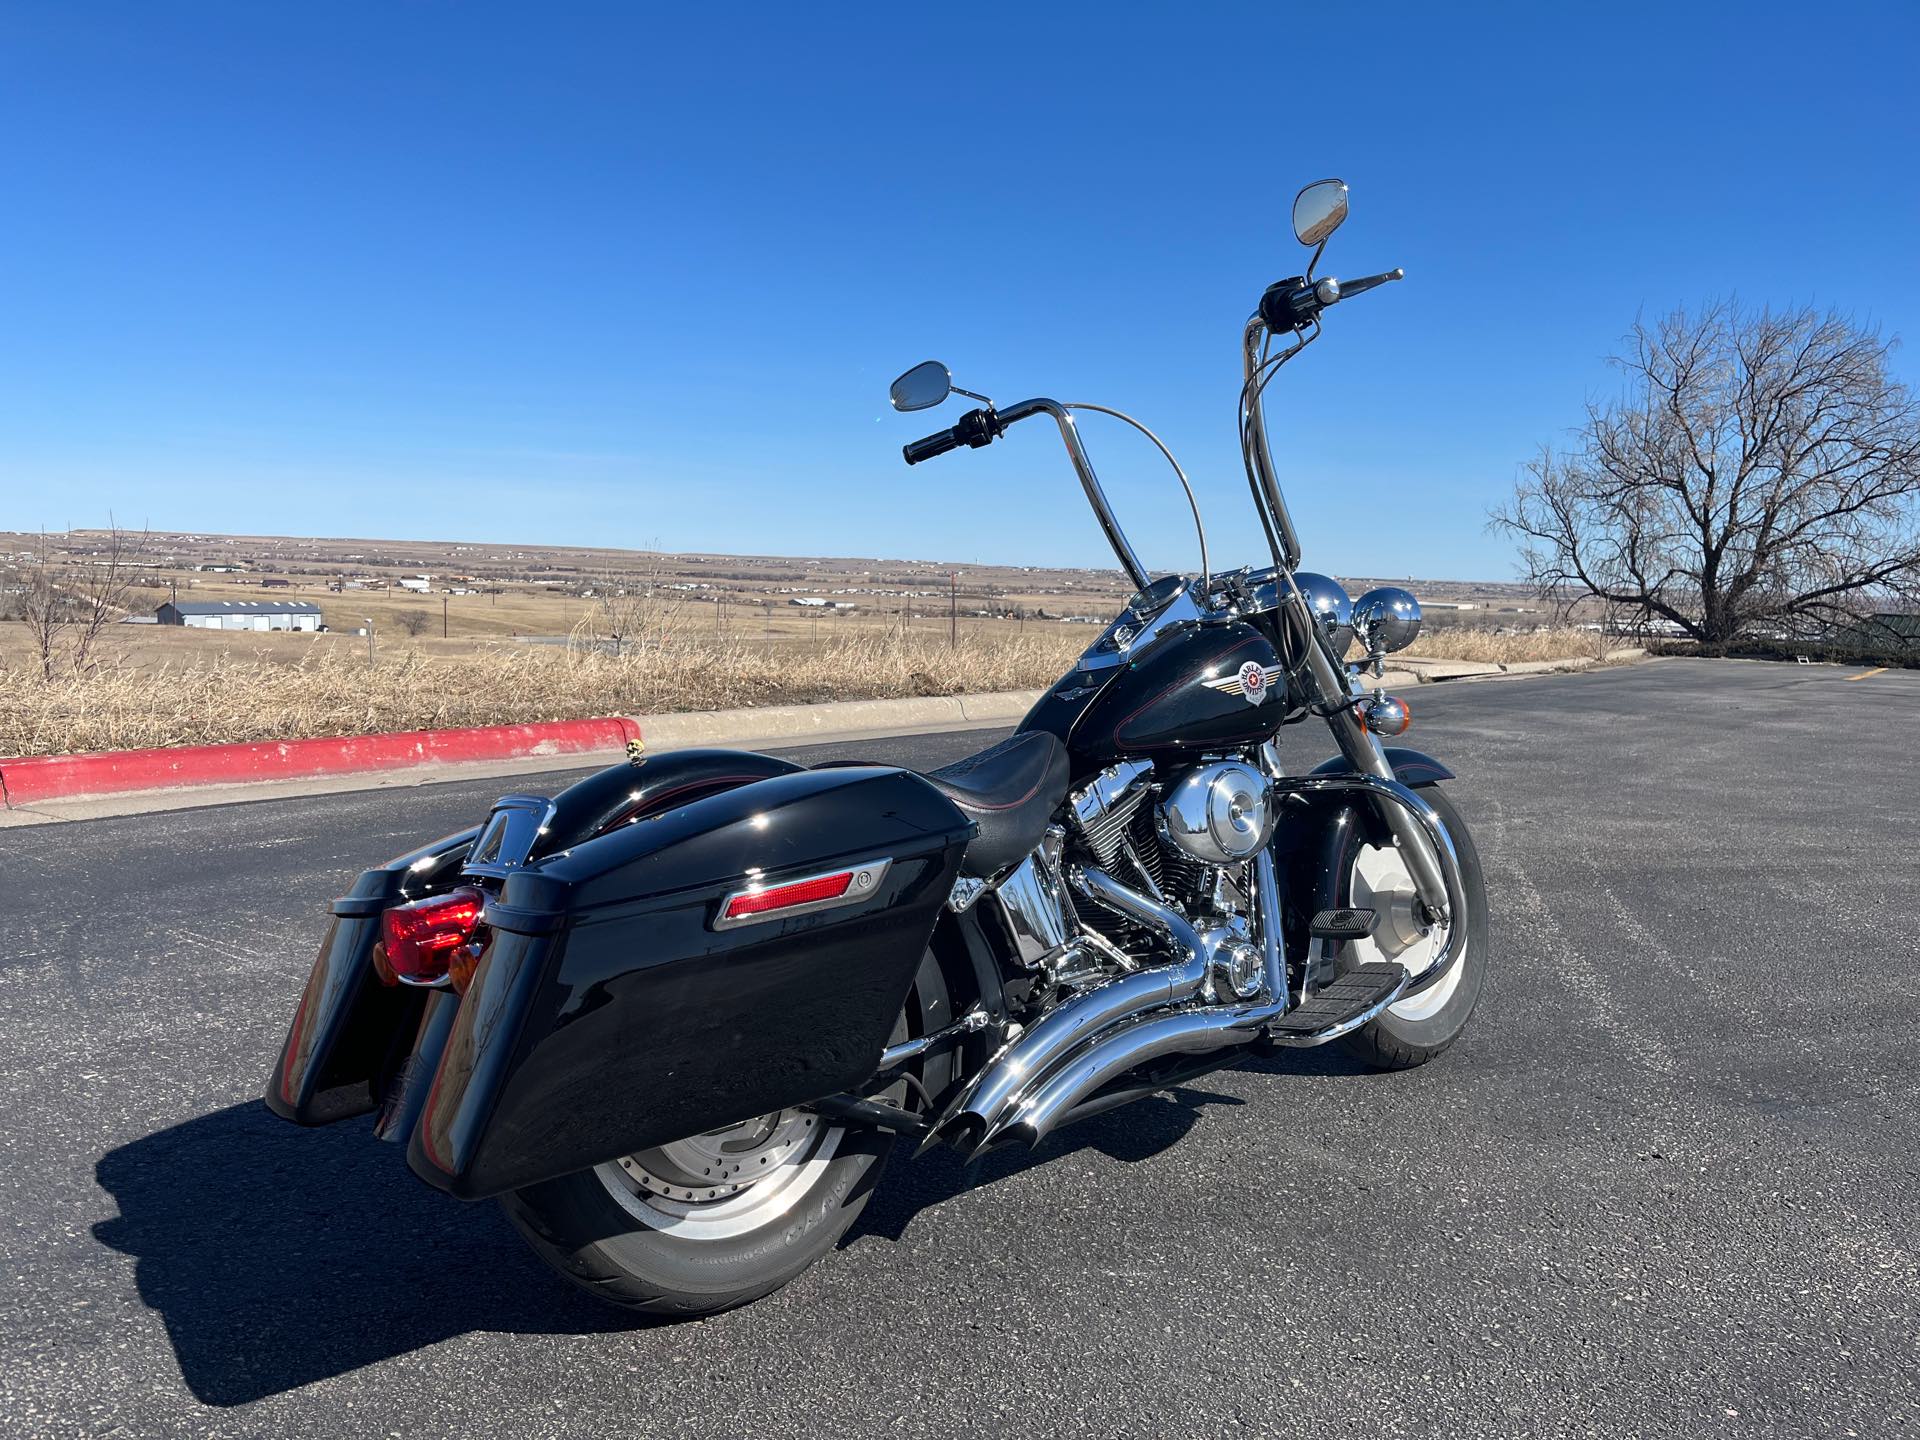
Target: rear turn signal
(418, 940)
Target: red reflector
(783, 897)
(420, 937)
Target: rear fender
(622, 793)
(609, 1015)
(350, 1031)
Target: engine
(1183, 838)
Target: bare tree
(413, 621)
(66, 608)
(632, 611)
(1761, 472)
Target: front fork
(1423, 846)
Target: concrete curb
(1430, 672)
(39, 778)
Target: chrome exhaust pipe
(1067, 1029)
(1135, 1041)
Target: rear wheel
(720, 1219)
(1414, 1030)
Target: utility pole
(443, 617)
(953, 607)
(369, 640)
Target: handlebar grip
(1350, 288)
(932, 445)
(976, 428)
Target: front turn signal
(1386, 715)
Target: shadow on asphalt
(1130, 1134)
(278, 1256)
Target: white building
(241, 614)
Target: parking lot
(1665, 1185)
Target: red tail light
(419, 939)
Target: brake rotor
(721, 1162)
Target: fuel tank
(1209, 687)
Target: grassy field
(270, 691)
(161, 685)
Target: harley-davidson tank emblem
(1252, 682)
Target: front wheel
(1414, 1030)
(717, 1220)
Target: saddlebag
(612, 1012)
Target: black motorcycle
(677, 1015)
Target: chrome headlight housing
(1331, 606)
(1387, 619)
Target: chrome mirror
(1318, 211)
(1387, 619)
(922, 387)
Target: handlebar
(982, 427)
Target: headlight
(1331, 608)
(1388, 619)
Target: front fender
(1410, 767)
(1314, 845)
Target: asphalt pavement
(1665, 1185)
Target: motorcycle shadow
(1130, 1135)
(277, 1256)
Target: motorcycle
(676, 1016)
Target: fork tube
(1333, 685)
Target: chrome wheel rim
(725, 1182)
(1380, 882)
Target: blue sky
(640, 275)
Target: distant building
(240, 614)
(418, 584)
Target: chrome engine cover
(1219, 814)
(1102, 808)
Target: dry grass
(1460, 642)
(290, 687)
(334, 692)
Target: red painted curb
(58, 777)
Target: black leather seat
(1010, 790)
